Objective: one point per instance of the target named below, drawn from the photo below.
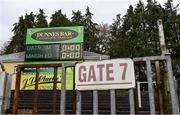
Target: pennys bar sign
(55, 35)
(104, 75)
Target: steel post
(95, 102)
(173, 93)
(17, 91)
(78, 102)
(63, 90)
(54, 97)
(131, 101)
(150, 87)
(139, 94)
(113, 101)
(36, 92)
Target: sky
(104, 10)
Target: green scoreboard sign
(62, 43)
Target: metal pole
(139, 94)
(131, 101)
(17, 91)
(74, 98)
(54, 97)
(35, 92)
(113, 101)
(78, 102)
(150, 87)
(63, 90)
(95, 102)
(173, 93)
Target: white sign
(103, 75)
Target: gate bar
(113, 101)
(78, 102)
(63, 87)
(35, 92)
(74, 97)
(63, 90)
(152, 58)
(139, 95)
(174, 99)
(17, 91)
(131, 101)
(150, 87)
(95, 102)
(54, 97)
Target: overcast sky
(104, 10)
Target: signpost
(103, 75)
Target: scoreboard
(71, 51)
(59, 43)
(67, 51)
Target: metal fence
(171, 80)
(147, 60)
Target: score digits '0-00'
(71, 51)
(68, 51)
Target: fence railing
(147, 60)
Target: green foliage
(77, 18)
(41, 19)
(17, 43)
(90, 32)
(133, 35)
(104, 37)
(136, 33)
(59, 20)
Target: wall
(10, 68)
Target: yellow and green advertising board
(45, 80)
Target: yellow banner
(45, 79)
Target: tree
(4, 47)
(153, 12)
(77, 18)
(17, 43)
(172, 33)
(116, 44)
(90, 32)
(59, 20)
(104, 37)
(41, 19)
